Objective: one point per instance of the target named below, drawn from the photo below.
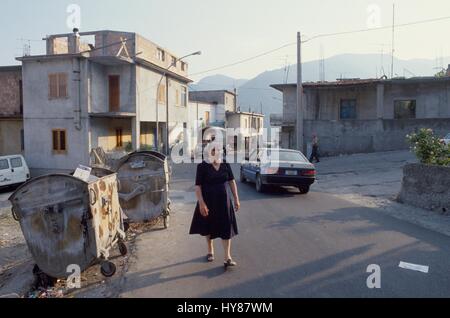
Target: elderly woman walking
(214, 216)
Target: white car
(447, 139)
(13, 170)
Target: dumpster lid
(48, 176)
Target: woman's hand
(204, 211)
(237, 205)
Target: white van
(13, 170)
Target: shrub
(428, 148)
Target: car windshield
(289, 156)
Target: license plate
(291, 172)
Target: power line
(243, 61)
(375, 29)
(317, 37)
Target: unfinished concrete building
(103, 89)
(365, 115)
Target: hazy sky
(231, 30)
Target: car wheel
(242, 177)
(304, 189)
(260, 187)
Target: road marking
(414, 267)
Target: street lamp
(167, 100)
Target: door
(114, 93)
(18, 169)
(5, 172)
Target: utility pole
(299, 125)
(393, 40)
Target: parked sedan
(280, 167)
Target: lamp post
(167, 101)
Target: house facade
(365, 115)
(11, 111)
(218, 108)
(104, 89)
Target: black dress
(221, 221)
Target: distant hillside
(257, 93)
(217, 82)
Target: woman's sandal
(210, 258)
(229, 263)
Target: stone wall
(427, 187)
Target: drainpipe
(77, 111)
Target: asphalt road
(290, 245)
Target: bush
(428, 148)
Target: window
(183, 96)
(114, 93)
(246, 123)
(348, 109)
(207, 118)
(174, 61)
(119, 138)
(161, 55)
(162, 94)
(177, 97)
(405, 109)
(183, 66)
(59, 141)
(4, 164)
(57, 85)
(16, 163)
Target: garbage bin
(144, 186)
(67, 221)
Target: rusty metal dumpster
(67, 221)
(144, 186)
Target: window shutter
(62, 85)
(53, 86)
(62, 140)
(55, 140)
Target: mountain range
(256, 94)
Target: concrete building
(103, 89)
(218, 108)
(11, 111)
(220, 102)
(365, 115)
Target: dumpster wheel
(122, 248)
(108, 269)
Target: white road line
(414, 267)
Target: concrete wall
(41, 115)
(99, 78)
(427, 187)
(363, 136)
(432, 99)
(10, 136)
(324, 104)
(197, 111)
